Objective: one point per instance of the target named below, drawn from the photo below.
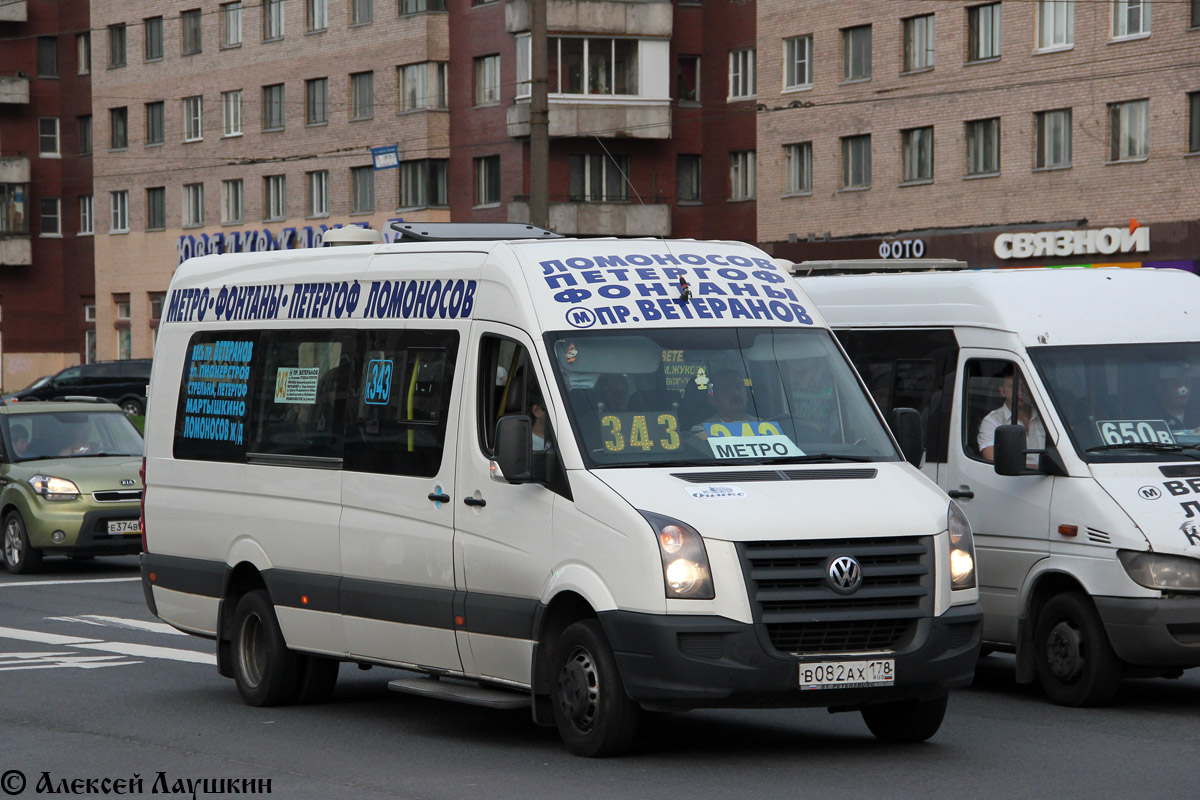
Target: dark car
(121, 382)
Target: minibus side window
(399, 402)
(996, 393)
(507, 386)
(212, 417)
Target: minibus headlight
(1160, 571)
(962, 548)
(685, 561)
(54, 488)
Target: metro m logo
(581, 318)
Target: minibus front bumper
(675, 662)
(1158, 632)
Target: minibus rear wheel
(1075, 661)
(905, 721)
(594, 715)
(266, 672)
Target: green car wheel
(19, 556)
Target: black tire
(20, 557)
(132, 407)
(595, 717)
(318, 677)
(905, 721)
(1075, 661)
(266, 671)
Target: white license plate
(124, 526)
(848, 674)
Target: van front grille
(793, 599)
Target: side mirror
(514, 449)
(1008, 450)
(910, 433)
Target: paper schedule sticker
(297, 385)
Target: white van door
(503, 542)
(1010, 516)
(397, 528)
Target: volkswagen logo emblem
(845, 575)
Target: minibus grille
(794, 602)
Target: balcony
(14, 89)
(609, 119)
(615, 17)
(14, 11)
(600, 219)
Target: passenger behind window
(1027, 416)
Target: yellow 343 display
(644, 432)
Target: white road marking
(121, 622)
(16, 661)
(43, 638)
(60, 583)
(150, 651)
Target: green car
(69, 482)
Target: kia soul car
(69, 482)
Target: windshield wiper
(1157, 447)
(808, 458)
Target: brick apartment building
(46, 268)
(1002, 133)
(232, 125)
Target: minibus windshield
(1126, 402)
(719, 396)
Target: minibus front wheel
(593, 714)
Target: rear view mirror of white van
(514, 452)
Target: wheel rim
(12, 543)
(1065, 652)
(579, 690)
(252, 651)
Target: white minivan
(588, 477)
(1061, 411)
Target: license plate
(124, 526)
(848, 674)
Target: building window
(524, 65)
(48, 136)
(1194, 124)
(797, 62)
(116, 45)
(742, 177)
(1056, 24)
(487, 80)
(797, 168)
(983, 32)
(190, 23)
(1053, 139)
(856, 53)
(918, 43)
(856, 162)
(85, 135)
(591, 66)
(152, 38)
(51, 216)
(272, 20)
(318, 193)
(231, 24)
(232, 201)
(155, 123)
(316, 101)
(1129, 130)
(86, 224)
(742, 82)
(275, 197)
(983, 146)
(599, 178)
(1131, 18)
(156, 208)
(193, 118)
(119, 205)
(1196, 13)
(687, 79)
(231, 112)
(124, 341)
(916, 145)
(419, 6)
(362, 190)
(14, 209)
(487, 180)
(83, 53)
(423, 183)
(423, 85)
(273, 107)
(362, 11)
(687, 179)
(193, 205)
(317, 15)
(362, 95)
(47, 57)
(118, 128)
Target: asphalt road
(93, 687)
